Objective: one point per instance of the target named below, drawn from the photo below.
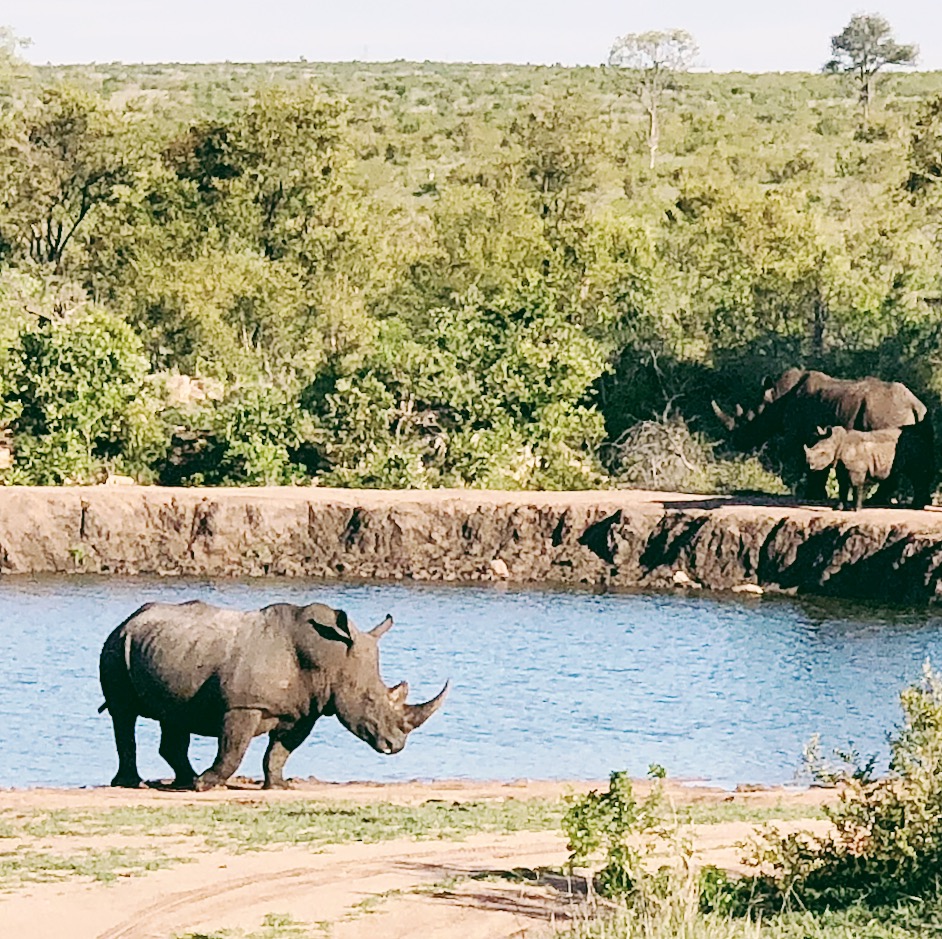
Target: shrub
(624, 833)
(663, 453)
(74, 389)
(886, 841)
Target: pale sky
(744, 35)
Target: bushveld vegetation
(419, 275)
(874, 874)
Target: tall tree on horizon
(655, 58)
(862, 48)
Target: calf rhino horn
(415, 715)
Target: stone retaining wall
(608, 538)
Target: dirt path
(447, 889)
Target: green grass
(721, 812)
(257, 825)
(24, 866)
(274, 926)
(916, 920)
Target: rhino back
(888, 404)
(194, 661)
(862, 404)
(869, 454)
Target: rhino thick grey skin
(863, 456)
(201, 669)
(799, 401)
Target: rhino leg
(885, 492)
(174, 748)
(858, 501)
(921, 480)
(123, 723)
(844, 487)
(817, 485)
(281, 744)
(239, 726)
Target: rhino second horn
(728, 422)
(399, 694)
(417, 714)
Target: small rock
(681, 579)
(754, 589)
(499, 568)
(120, 481)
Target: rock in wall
(606, 539)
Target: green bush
(886, 842)
(616, 836)
(74, 390)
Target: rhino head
(752, 427)
(378, 715)
(823, 454)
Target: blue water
(544, 684)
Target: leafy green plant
(615, 833)
(74, 382)
(885, 843)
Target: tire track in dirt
(336, 884)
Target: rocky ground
(623, 539)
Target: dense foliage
(427, 275)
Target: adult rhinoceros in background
(797, 403)
(200, 669)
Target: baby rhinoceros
(864, 456)
(200, 669)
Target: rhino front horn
(417, 714)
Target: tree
(67, 159)
(270, 176)
(10, 61)
(656, 57)
(74, 384)
(925, 149)
(862, 48)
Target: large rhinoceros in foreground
(200, 669)
(799, 401)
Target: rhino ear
(377, 632)
(340, 630)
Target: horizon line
(696, 70)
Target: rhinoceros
(799, 401)
(202, 669)
(862, 456)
